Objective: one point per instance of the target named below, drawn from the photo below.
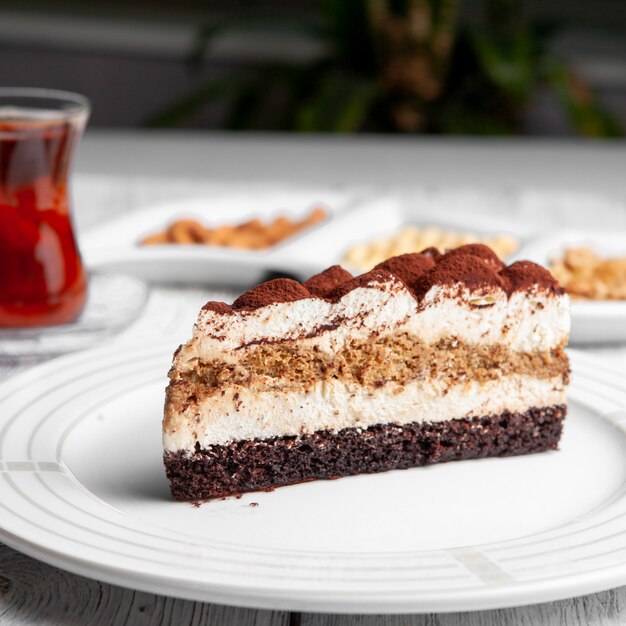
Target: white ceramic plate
(592, 321)
(82, 487)
(113, 245)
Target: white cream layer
(524, 322)
(335, 405)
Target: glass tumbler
(42, 278)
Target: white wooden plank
(600, 609)
(32, 593)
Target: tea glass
(42, 278)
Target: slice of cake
(427, 358)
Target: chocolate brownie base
(253, 465)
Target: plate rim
(486, 598)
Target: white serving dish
(384, 215)
(593, 321)
(113, 245)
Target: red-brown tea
(42, 278)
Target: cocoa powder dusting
(523, 275)
(474, 266)
(479, 250)
(277, 290)
(431, 253)
(465, 269)
(407, 267)
(324, 283)
(375, 275)
(218, 307)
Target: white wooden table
(120, 171)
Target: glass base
(113, 303)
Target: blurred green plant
(395, 66)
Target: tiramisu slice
(427, 358)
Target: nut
(587, 276)
(251, 235)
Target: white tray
(383, 215)
(113, 245)
(592, 321)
